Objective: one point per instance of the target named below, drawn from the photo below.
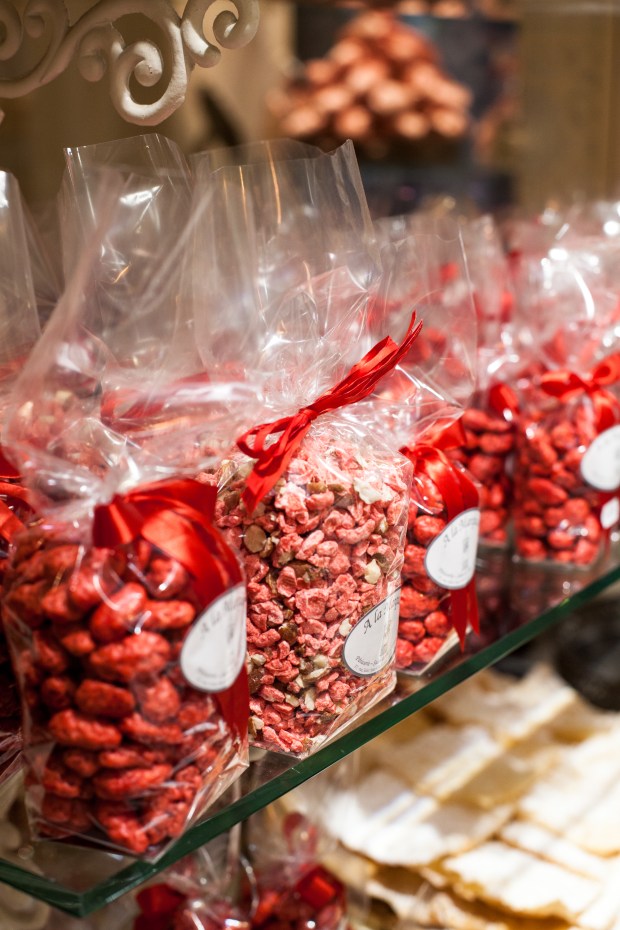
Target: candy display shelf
(518, 603)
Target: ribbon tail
(460, 604)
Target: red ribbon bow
(176, 517)
(158, 905)
(567, 384)
(460, 494)
(359, 383)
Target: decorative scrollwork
(99, 47)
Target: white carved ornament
(99, 47)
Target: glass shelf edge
(82, 904)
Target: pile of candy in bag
(247, 463)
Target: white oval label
(214, 649)
(371, 644)
(600, 465)
(450, 559)
(610, 512)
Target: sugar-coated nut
(140, 730)
(113, 619)
(23, 603)
(72, 814)
(75, 639)
(404, 653)
(166, 578)
(413, 604)
(57, 606)
(60, 780)
(426, 529)
(122, 826)
(58, 691)
(82, 761)
(100, 697)
(130, 756)
(132, 657)
(160, 701)
(437, 623)
(168, 615)
(548, 493)
(48, 652)
(72, 728)
(112, 785)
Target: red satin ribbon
(459, 494)
(158, 904)
(176, 516)
(503, 401)
(567, 384)
(138, 408)
(13, 493)
(362, 379)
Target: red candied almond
(560, 539)
(426, 529)
(164, 818)
(48, 652)
(122, 826)
(101, 698)
(532, 549)
(427, 649)
(23, 602)
(585, 552)
(404, 653)
(541, 451)
(413, 604)
(72, 728)
(425, 585)
(576, 510)
(548, 493)
(130, 757)
(88, 587)
(143, 731)
(490, 520)
(497, 443)
(71, 813)
(485, 467)
(82, 761)
(476, 420)
(115, 785)
(168, 615)
(563, 436)
(566, 480)
(533, 526)
(414, 560)
(411, 630)
(158, 702)
(437, 623)
(113, 619)
(57, 607)
(136, 655)
(166, 578)
(75, 639)
(195, 712)
(62, 781)
(57, 692)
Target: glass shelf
(517, 603)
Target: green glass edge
(81, 904)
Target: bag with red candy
(124, 606)
(295, 890)
(489, 420)
(19, 328)
(567, 478)
(320, 516)
(418, 406)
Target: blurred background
(497, 103)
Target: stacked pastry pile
(504, 813)
(380, 85)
